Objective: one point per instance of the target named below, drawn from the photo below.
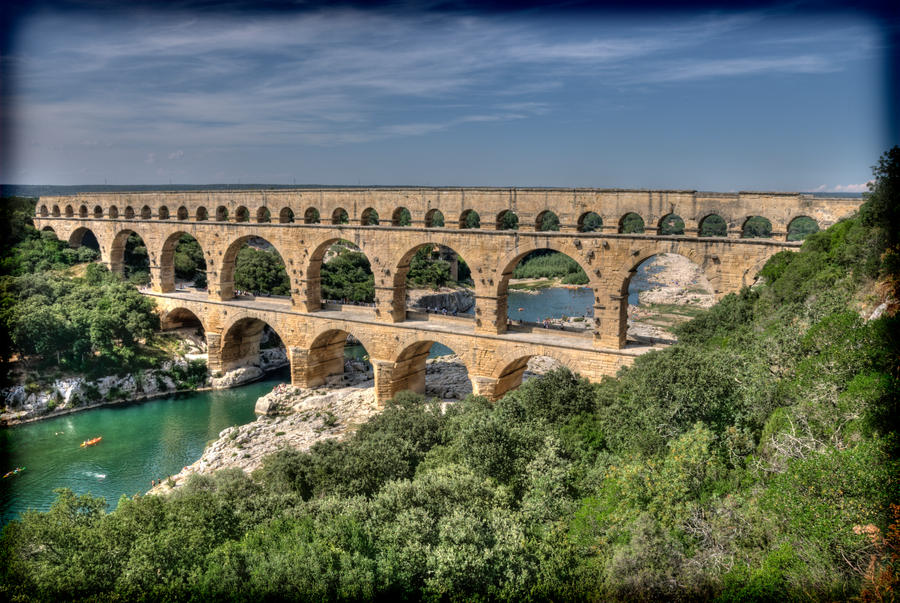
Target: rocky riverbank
(445, 298)
(294, 417)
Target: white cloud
(151, 158)
(176, 155)
(851, 188)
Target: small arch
(44, 211)
(263, 215)
(590, 222)
(312, 216)
(69, 211)
(507, 220)
(801, 227)
(401, 217)
(547, 221)
(369, 217)
(286, 215)
(202, 214)
(83, 211)
(55, 211)
(713, 225)
(242, 214)
(631, 223)
(182, 213)
(670, 225)
(98, 211)
(469, 219)
(163, 213)
(340, 216)
(146, 212)
(114, 212)
(434, 219)
(756, 227)
(221, 214)
(129, 213)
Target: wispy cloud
(843, 188)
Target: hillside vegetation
(755, 460)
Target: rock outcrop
(451, 300)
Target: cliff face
(452, 300)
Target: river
(141, 441)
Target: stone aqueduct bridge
(398, 341)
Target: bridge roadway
(398, 351)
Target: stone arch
(163, 213)
(409, 371)
(202, 215)
(55, 211)
(69, 211)
(401, 217)
(77, 238)
(670, 224)
(312, 216)
(469, 219)
(229, 258)
(240, 341)
(83, 211)
(340, 216)
(369, 217)
(167, 259)
(286, 215)
(434, 218)
(508, 263)
(325, 357)
(129, 213)
(117, 250)
(756, 227)
(631, 223)
(507, 220)
(98, 211)
(546, 221)
(510, 368)
(50, 229)
(801, 227)
(241, 214)
(221, 214)
(44, 212)
(401, 271)
(113, 212)
(263, 215)
(182, 213)
(590, 222)
(146, 212)
(712, 225)
(314, 292)
(180, 318)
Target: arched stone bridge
(398, 341)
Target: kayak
(15, 471)
(91, 442)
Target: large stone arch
(225, 266)
(116, 259)
(76, 237)
(408, 368)
(167, 257)
(239, 344)
(313, 276)
(323, 357)
(400, 268)
(180, 317)
(510, 366)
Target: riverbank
(297, 417)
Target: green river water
(142, 441)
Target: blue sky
(711, 100)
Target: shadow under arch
(167, 266)
(241, 340)
(401, 274)
(118, 262)
(325, 358)
(180, 318)
(511, 369)
(410, 371)
(228, 263)
(84, 236)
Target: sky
(757, 98)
